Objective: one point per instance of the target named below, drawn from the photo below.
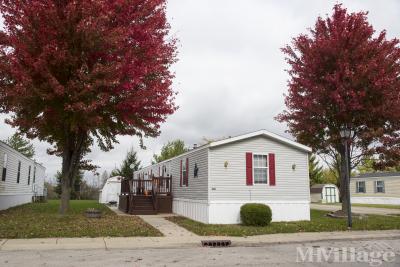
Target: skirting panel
(8, 201)
(194, 209)
(376, 200)
(229, 212)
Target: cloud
(230, 75)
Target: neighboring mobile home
(211, 182)
(324, 193)
(21, 178)
(376, 188)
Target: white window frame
(34, 175)
(19, 171)
(184, 171)
(4, 169)
(358, 187)
(267, 168)
(383, 186)
(29, 174)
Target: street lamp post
(345, 134)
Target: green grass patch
(38, 220)
(319, 223)
(384, 206)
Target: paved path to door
(169, 229)
(359, 210)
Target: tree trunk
(65, 192)
(71, 157)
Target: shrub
(254, 214)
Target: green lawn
(319, 223)
(42, 220)
(385, 206)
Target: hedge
(255, 214)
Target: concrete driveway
(359, 210)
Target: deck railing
(157, 185)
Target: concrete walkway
(167, 228)
(109, 243)
(359, 210)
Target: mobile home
(22, 179)
(211, 182)
(376, 188)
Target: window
(34, 174)
(360, 187)
(4, 172)
(260, 169)
(29, 174)
(184, 172)
(380, 187)
(19, 172)
(195, 171)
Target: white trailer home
(21, 179)
(376, 188)
(210, 183)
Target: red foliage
(342, 73)
(72, 71)
(97, 67)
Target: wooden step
(143, 208)
(143, 212)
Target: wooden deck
(142, 197)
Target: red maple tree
(342, 74)
(75, 72)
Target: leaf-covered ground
(319, 223)
(42, 220)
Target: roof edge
(262, 133)
(22, 155)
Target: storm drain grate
(216, 243)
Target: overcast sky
(230, 75)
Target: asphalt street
(356, 253)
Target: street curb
(122, 243)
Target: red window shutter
(249, 168)
(181, 174)
(187, 171)
(271, 167)
(151, 173)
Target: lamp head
(346, 132)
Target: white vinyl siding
(391, 186)
(15, 159)
(197, 186)
(229, 183)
